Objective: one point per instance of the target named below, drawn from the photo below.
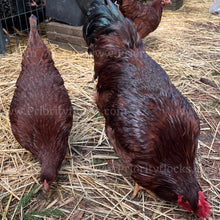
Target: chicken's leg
(137, 188)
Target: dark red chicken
(146, 18)
(150, 124)
(41, 111)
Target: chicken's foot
(137, 188)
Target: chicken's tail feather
(36, 49)
(34, 36)
(100, 17)
(104, 18)
(33, 22)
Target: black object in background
(68, 11)
(2, 40)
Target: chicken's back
(145, 114)
(41, 110)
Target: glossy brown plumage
(146, 18)
(41, 111)
(151, 126)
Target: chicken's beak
(46, 186)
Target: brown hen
(41, 111)
(151, 126)
(146, 18)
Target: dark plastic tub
(68, 11)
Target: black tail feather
(33, 22)
(104, 18)
(100, 18)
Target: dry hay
(90, 184)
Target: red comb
(203, 211)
